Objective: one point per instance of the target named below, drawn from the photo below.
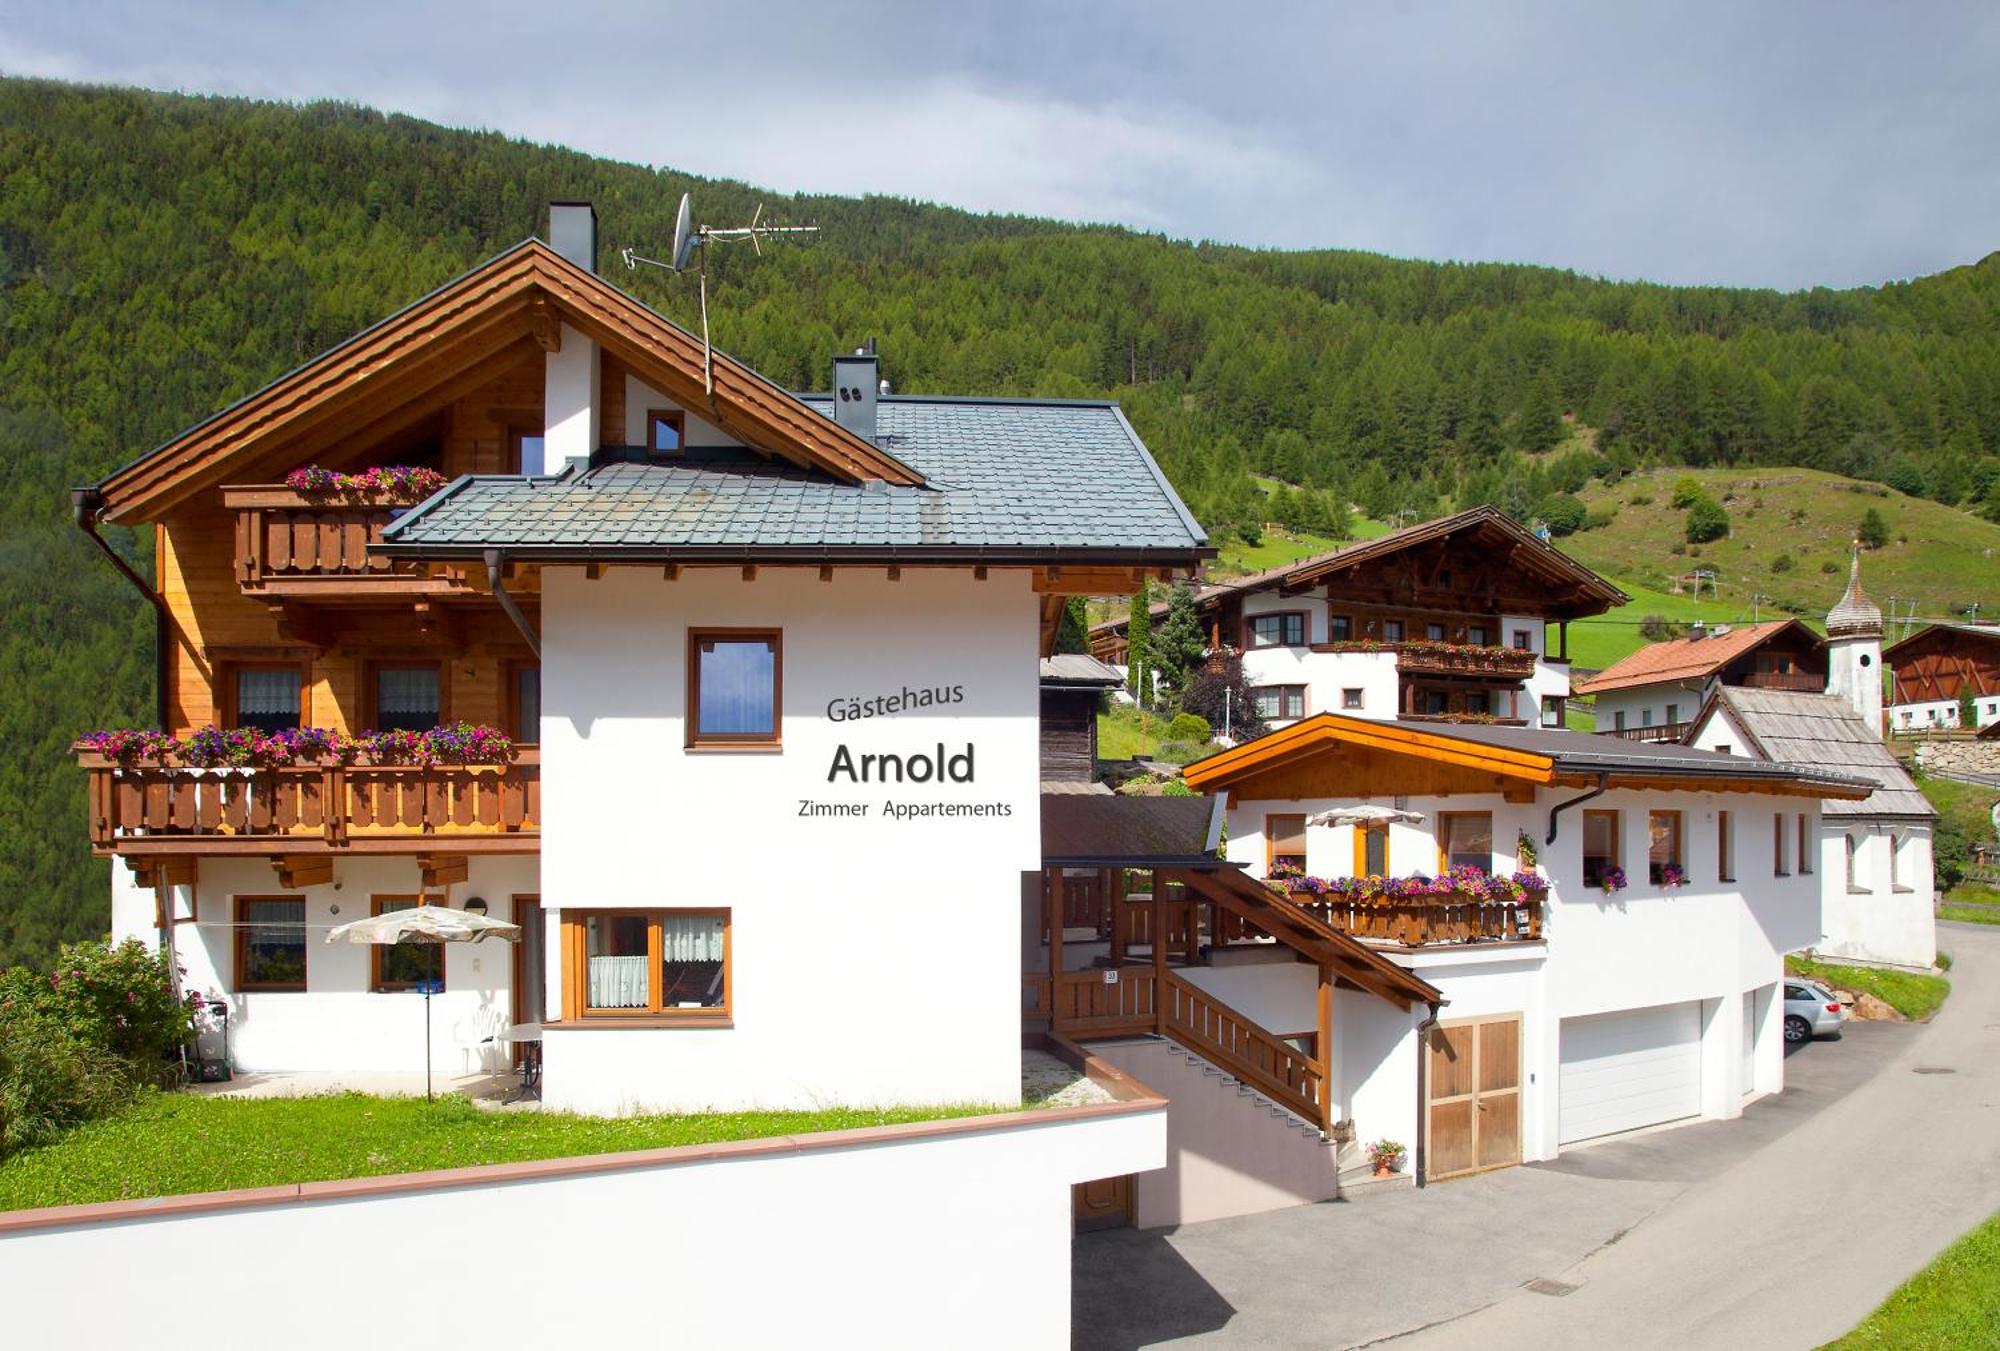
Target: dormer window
(666, 431)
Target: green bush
(1873, 532)
(1639, 500)
(1180, 752)
(1782, 563)
(1687, 492)
(1564, 513)
(1599, 517)
(51, 1081)
(1706, 520)
(1190, 727)
(1827, 569)
(1176, 788)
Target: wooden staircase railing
(1231, 1041)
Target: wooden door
(1473, 1073)
(1105, 1203)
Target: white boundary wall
(954, 1238)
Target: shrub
(1189, 727)
(1563, 512)
(1658, 629)
(1706, 520)
(1828, 568)
(1179, 752)
(1687, 492)
(1599, 517)
(1873, 532)
(1782, 563)
(1639, 500)
(1176, 788)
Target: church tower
(1854, 648)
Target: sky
(1763, 144)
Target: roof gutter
(496, 580)
(775, 555)
(88, 504)
(1603, 783)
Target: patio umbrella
(1365, 814)
(425, 924)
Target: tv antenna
(689, 237)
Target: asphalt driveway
(1781, 1229)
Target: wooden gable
(421, 358)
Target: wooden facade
(1069, 734)
(1945, 661)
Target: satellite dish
(684, 236)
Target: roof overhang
(527, 293)
(1326, 734)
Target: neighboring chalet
(1461, 618)
(1652, 695)
(1074, 686)
(1933, 670)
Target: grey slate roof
(1592, 753)
(1078, 669)
(1824, 732)
(1105, 830)
(1026, 475)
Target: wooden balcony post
(1114, 902)
(1323, 1048)
(1160, 994)
(1058, 912)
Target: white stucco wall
(1944, 712)
(337, 1022)
(958, 1240)
(1646, 705)
(641, 398)
(875, 959)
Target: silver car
(1810, 1010)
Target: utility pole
(1757, 598)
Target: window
(524, 713)
(1645, 717)
(1434, 633)
(734, 687)
(1350, 698)
(1475, 634)
(1339, 628)
(1392, 630)
(1552, 710)
(665, 431)
(1600, 846)
(1899, 863)
(1663, 849)
(407, 698)
(405, 966)
(1285, 842)
(270, 943)
(527, 451)
(1278, 630)
(1618, 720)
(670, 964)
(1371, 849)
(1805, 844)
(1478, 701)
(1853, 863)
(1725, 848)
(1673, 713)
(1465, 840)
(268, 698)
(1522, 641)
(1437, 702)
(1279, 702)
(1780, 867)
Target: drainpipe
(1603, 782)
(496, 580)
(1421, 1165)
(87, 502)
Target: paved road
(1793, 1245)
(1795, 1220)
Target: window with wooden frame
(1279, 701)
(1663, 844)
(670, 965)
(1434, 633)
(1475, 634)
(666, 431)
(1805, 843)
(1392, 630)
(404, 966)
(735, 682)
(1553, 710)
(524, 702)
(525, 451)
(1339, 628)
(1779, 840)
(404, 696)
(267, 696)
(1725, 847)
(1371, 849)
(1351, 698)
(1284, 629)
(1600, 846)
(271, 943)
(1523, 641)
(1465, 840)
(1285, 841)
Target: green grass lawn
(1954, 1302)
(1597, 642)
(1970, 914)
(1912, 994)
(173, 1143)
(1121, 735)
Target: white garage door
(1621, 1071)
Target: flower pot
(1383, 1168)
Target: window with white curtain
(267, 697)
(407, 698)
(670, 963)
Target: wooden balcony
(1440, 659)
(1666, 731)
(314, 808)
(1421, 921)
(1799, 682)
(293, 547)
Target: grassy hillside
(1942, 558)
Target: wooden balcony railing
(1085, 1004)
(1799, 682)
(1421, 920)
(313, 808)
(1423, 658)
(1666, 731)
(291, 545)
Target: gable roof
(1595, 594)
(1687, 658)
(1078, 670)
(527, 290)
(1943, 632)
(1104, 830)
(1002, 479)
(1527, 755)
(1822, 731)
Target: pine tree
(1179, 645)
(1139, 643)
(1873, 532)
(1540, 425)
